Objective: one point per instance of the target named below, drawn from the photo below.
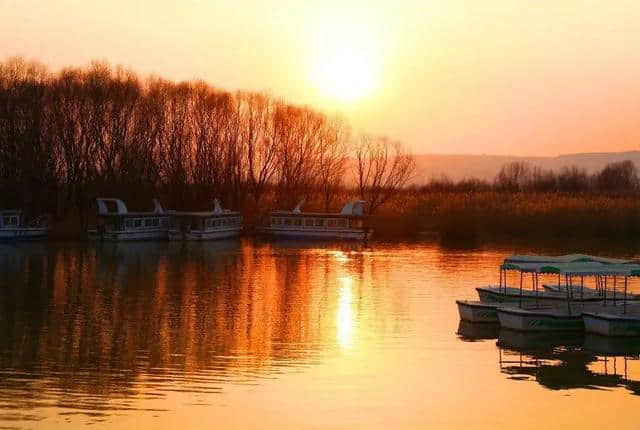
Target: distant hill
(458, 167)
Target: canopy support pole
(535, 275)
(624, 310)
(520, 304)
(568, 287)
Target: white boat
(119, 224)
(613, 321)
(208, 225)
(601, 269)
(506, 295)
(568, 317)
(350, 223)
(478, 312)
(622, 320)
(475, 311)
(12, 227)
(553, 318)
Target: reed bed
(486, 215)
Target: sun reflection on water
(345, 319)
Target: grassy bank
(464, 217)
(495, 215)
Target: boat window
(164, 222)
(297, 221)
(309, 222)
(287, 221)
(319, 222)
(342, 223)
(137, 222)
(357, 223)
(332, 223)
(10, 220)
(128, 223)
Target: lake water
(247, 334)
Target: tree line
(617, 178)
(69, 136)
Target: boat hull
(200, 235)
(492, 295)
(611, 325)
(26, 233)
(477, 312)
(352, 234)
(126, 236)
(539, 320)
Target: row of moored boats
(573, 292)
(117, 223)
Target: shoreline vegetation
(70, 136)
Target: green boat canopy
(568, 258)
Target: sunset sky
(531, 77)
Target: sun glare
(345, 62)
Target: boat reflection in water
(569, 361)
(471, 332)
(562, 361)
(99, 329)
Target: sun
(345, 63)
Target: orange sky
(530, 77)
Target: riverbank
(467, 217)
(493, 215)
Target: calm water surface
(285, 335)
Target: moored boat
(621, 320)
(349, 224)
(569, 317)
(541, 319)
(508, 295)
(603, 273)
(613, 322)
(119, 224)
(209, 225)
(12, 227)
(478, 312)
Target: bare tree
(618, 177)
(383, 167)
(296, 132)
(513, 176)
(257, 133)
(333, 152)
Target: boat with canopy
(615, 320)
(117, 223)
(570, 316)
(349, 224)
(208, 225)
(12, 227)
(494, 297)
